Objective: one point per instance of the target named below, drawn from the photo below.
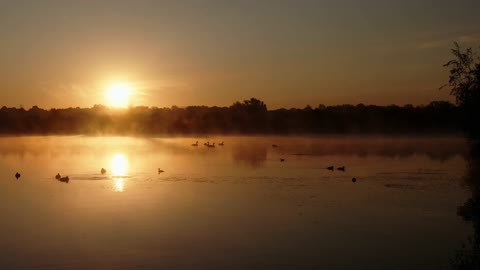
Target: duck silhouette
(58, 176)
(65, 179)
(354, 180)
(282, 160)
(211, 145)
(160, 171)
(341, 168)
(330, 168)
(221, 144)
(17, 175)
(195, 144)
(103, 171)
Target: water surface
(236, 206)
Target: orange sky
(286, 53)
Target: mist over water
(237, 206)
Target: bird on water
(103, 171)
(58, 176)
(65, 179)
(17, 175)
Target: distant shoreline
(248, 118)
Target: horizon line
(227, 106)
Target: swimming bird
(341, 168)
(65, 179)
(211, 145)
(282, 160)
(103, 171)
(221, 144)
(207, 144)
(17, 175)
(195, 144)
(354, 180)
(58, 176)
(160, 171)
(330, 168)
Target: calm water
(232, 207)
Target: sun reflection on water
(119, 168)
(118, 184)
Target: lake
(236, 206)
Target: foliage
(464, 84)
(248, 117)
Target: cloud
(73, 94)
(469, 39)
(433, 44)
(157, 92)
(448, 41)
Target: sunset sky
(286, 53)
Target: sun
(119, 165)
(118, 94)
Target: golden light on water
(118, 94)
(118, 184)
(119, 169)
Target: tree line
(247, 117)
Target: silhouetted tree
(464, 83)
(250, 116)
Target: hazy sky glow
(286, 53)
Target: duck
(58, 176)
(354, 179)
(330, 168)
(207, 144)
(282, 160)
(160, 171)
(195, 144)
(211, 145)
(341, 168)
(221, 144)
(65, 179)
(103, 171)
(17, 175)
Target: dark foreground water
(236, 206)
